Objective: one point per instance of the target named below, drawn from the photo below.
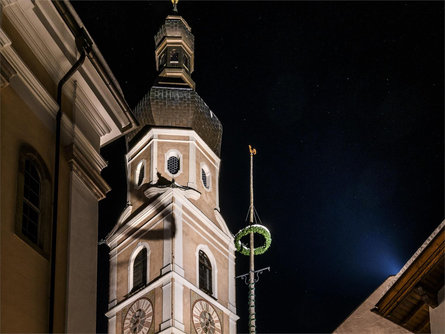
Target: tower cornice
(128, 229)
(159, 283)
(167, 30)
(154, 132)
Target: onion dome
(172, 101)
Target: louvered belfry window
(140, 269)
(205, 273)
(31, 202)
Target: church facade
(172, 257)
(57, 94)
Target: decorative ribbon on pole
(250, 230)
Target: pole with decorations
(251, 251)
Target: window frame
(133, 256)
(205, 269)
(162, 60)
(214, 272)
(186, 61)
(208, 174)
(172, 52)
(33, 204)
(173, 153)
(139, 166)
(43, 243)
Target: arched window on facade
(140, 269)
(205, 273)
(33, 200)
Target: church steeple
(175, 51)
(172, 256)
(173, 101)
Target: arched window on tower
(205, 273)
(174, 56)
(140, 269)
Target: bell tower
(172, 257)
(175, 52)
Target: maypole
(252, 324)
(250, 230)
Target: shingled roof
(179, 108)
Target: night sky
(344, 103)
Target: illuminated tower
(172, 262)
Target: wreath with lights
(255, 228)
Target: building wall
(136, 193)
(176, 223)
(197, 235)
(208, 200)
(437, 315)
(29, 286)
(124, 254)
(27, 55)
(190, 174)
(37, 48)
(61, 287)
(82, 258)
(362, 320)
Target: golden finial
(175, 5)
(252, 150)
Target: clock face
(139, 317)
(205, 319)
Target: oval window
(140, 173)
(205, 177)
(173, 165)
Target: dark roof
(415, 288)
(179, 108)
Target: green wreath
(255, 228)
